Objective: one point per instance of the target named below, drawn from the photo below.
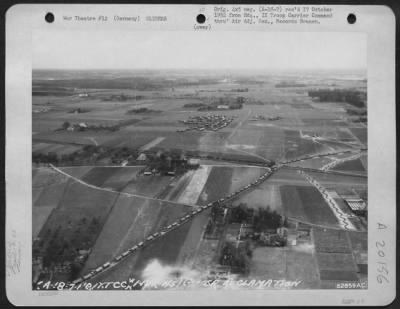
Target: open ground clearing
(195, 186)
(307, 204)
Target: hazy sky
(194, 50)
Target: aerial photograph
(188, 161)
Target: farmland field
(307, 204)
(353, 165)
(331, 241)
(361, 134)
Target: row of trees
(142, 110)
(261, 218)
(92, 154)
(353, 97)
(123, 97)
(80, 128)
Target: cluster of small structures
(41, 110)
(172, 227)
(211, 122)
(82, 126)
(262, 117)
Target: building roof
(194, 161)
(141, 157)
(356, 204)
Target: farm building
(358, 206)
(193, 163)
(303, 229)
(223, 107)
(282, 231)
(142, 157)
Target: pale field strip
(341, 160)
(239, 148)
(195, 186)
(153, 143)
(340, 215)
(117, 192)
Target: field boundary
(117, 192)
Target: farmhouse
(83, 125)
(223, 107)
(142, 157)
(193, 163)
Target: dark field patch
(359, 241)
(98, 175)
(363, 269)
(217, 185)
(240, 157)
(352, 165)
(361, 134)
(316, 208)
(307, 204)
(331, 241)
(336, 261)
(291, 202)
(301, 106)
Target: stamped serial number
(351, 285)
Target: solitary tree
(66, 125)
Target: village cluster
(210, 122)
